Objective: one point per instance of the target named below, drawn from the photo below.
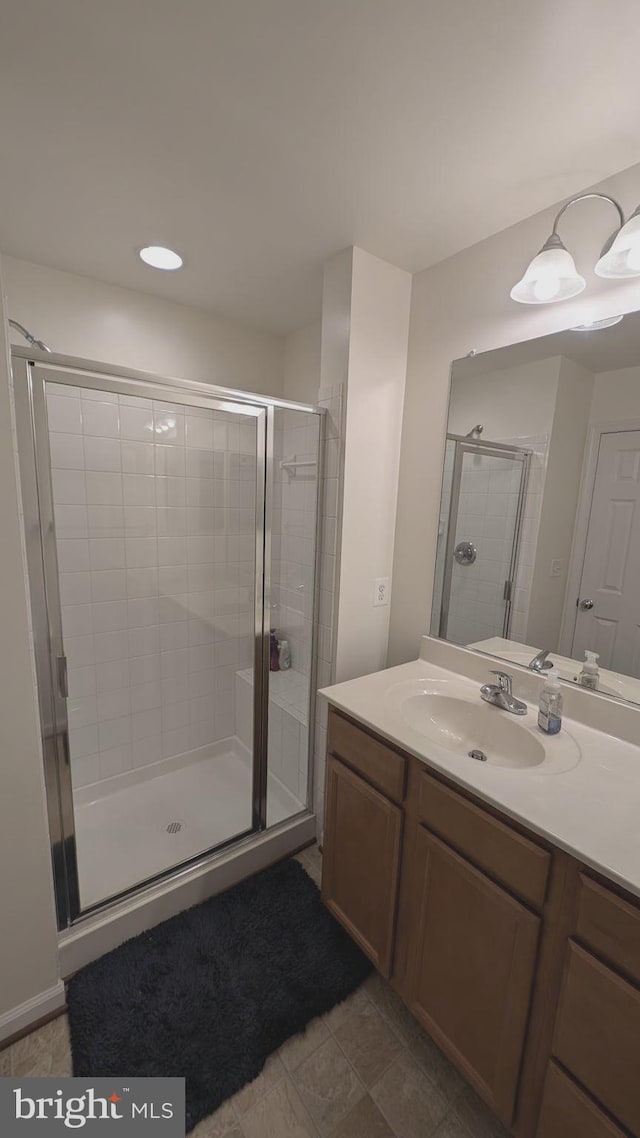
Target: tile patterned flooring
(365, 1070)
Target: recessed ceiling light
(160, 258)
(595, 325)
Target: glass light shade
(623, 258)
(551, 276)
(160, 258)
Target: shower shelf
(294, 463)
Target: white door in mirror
(608, 619)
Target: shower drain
(175, 827)
(478, 755)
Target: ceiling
(259, 137)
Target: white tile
(111, 675)
(145, 724)
(73, 555)
(141, 552)
(172, 521)
(67, 451)
(169, 460)
(137, 458)
(114, 732)
(67, 390)
(142, 612)
(106, 553)
(176, 742)
(111, 646)
(139, 489)
(136, 423)
(140, 521)
(71, 522)
(64, 414)
(175, 715)
(144, 669)
(108, 585)
(144, 697)
(68, 487)
(142, 582)
(174, 635)
(201, 656)
(171, 491)
(147, 750)
(114, 704)
(75, 588)
(172, 579)
(109, 616)
(115, 760)
(85, 769)
(106, 521)
(175, 689)
(202, 492)
(174, 663)
(143, 641)
(81, 711)
(99, 418)
(83, 741)
(168, 426)
(135, 401)
(102, 454)
(172, 550)
(103, 488)
(77, 620)
(203, 683)
(203, 549)
(82, 681)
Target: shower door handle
(63, 679)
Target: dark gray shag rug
(211, 993)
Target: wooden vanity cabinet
(524, 968)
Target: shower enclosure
(170, 526)
(481, 510)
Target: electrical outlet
(555, 569)
(380, 591)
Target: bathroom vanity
(500, 899)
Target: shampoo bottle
(588, 677)
(550, 706)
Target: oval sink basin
(464, 727)
(480, 733)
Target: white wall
(302, 364)
(460, 304)
(378, 329)
(616, 395)
(28, 938)
(506, 401)
(79, 316)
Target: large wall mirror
(538, 558)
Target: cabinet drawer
(609, 925)
(502, 852)
(597, 1032)
(567, 1112)
(378, 763)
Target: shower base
(138, 825)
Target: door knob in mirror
(585, 605)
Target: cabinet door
(567, 1112)
(472, 968)
(361, 862)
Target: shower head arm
(29, 337)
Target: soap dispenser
(550, 706)
(590, 673)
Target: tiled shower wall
(155, 520)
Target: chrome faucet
(540, 662)
(500, 695)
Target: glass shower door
(152, 518)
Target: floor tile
(364, 1121)
(271, 1074)
(408, 1100)
(436, 1065)
(479, 1120)
(222, 1124)
(300, 1047)
(45, 1052)
(328, 1086)
(452, 1127)
(389, 1003)
(280, 1114)
(368, 1042)
(341, 1012)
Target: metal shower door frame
(464, 445)
(29, 379)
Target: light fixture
(552, 274)
(596, 325)
(160, 257)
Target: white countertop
(591, 810)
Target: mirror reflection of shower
(482, 508)
(29, 336)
